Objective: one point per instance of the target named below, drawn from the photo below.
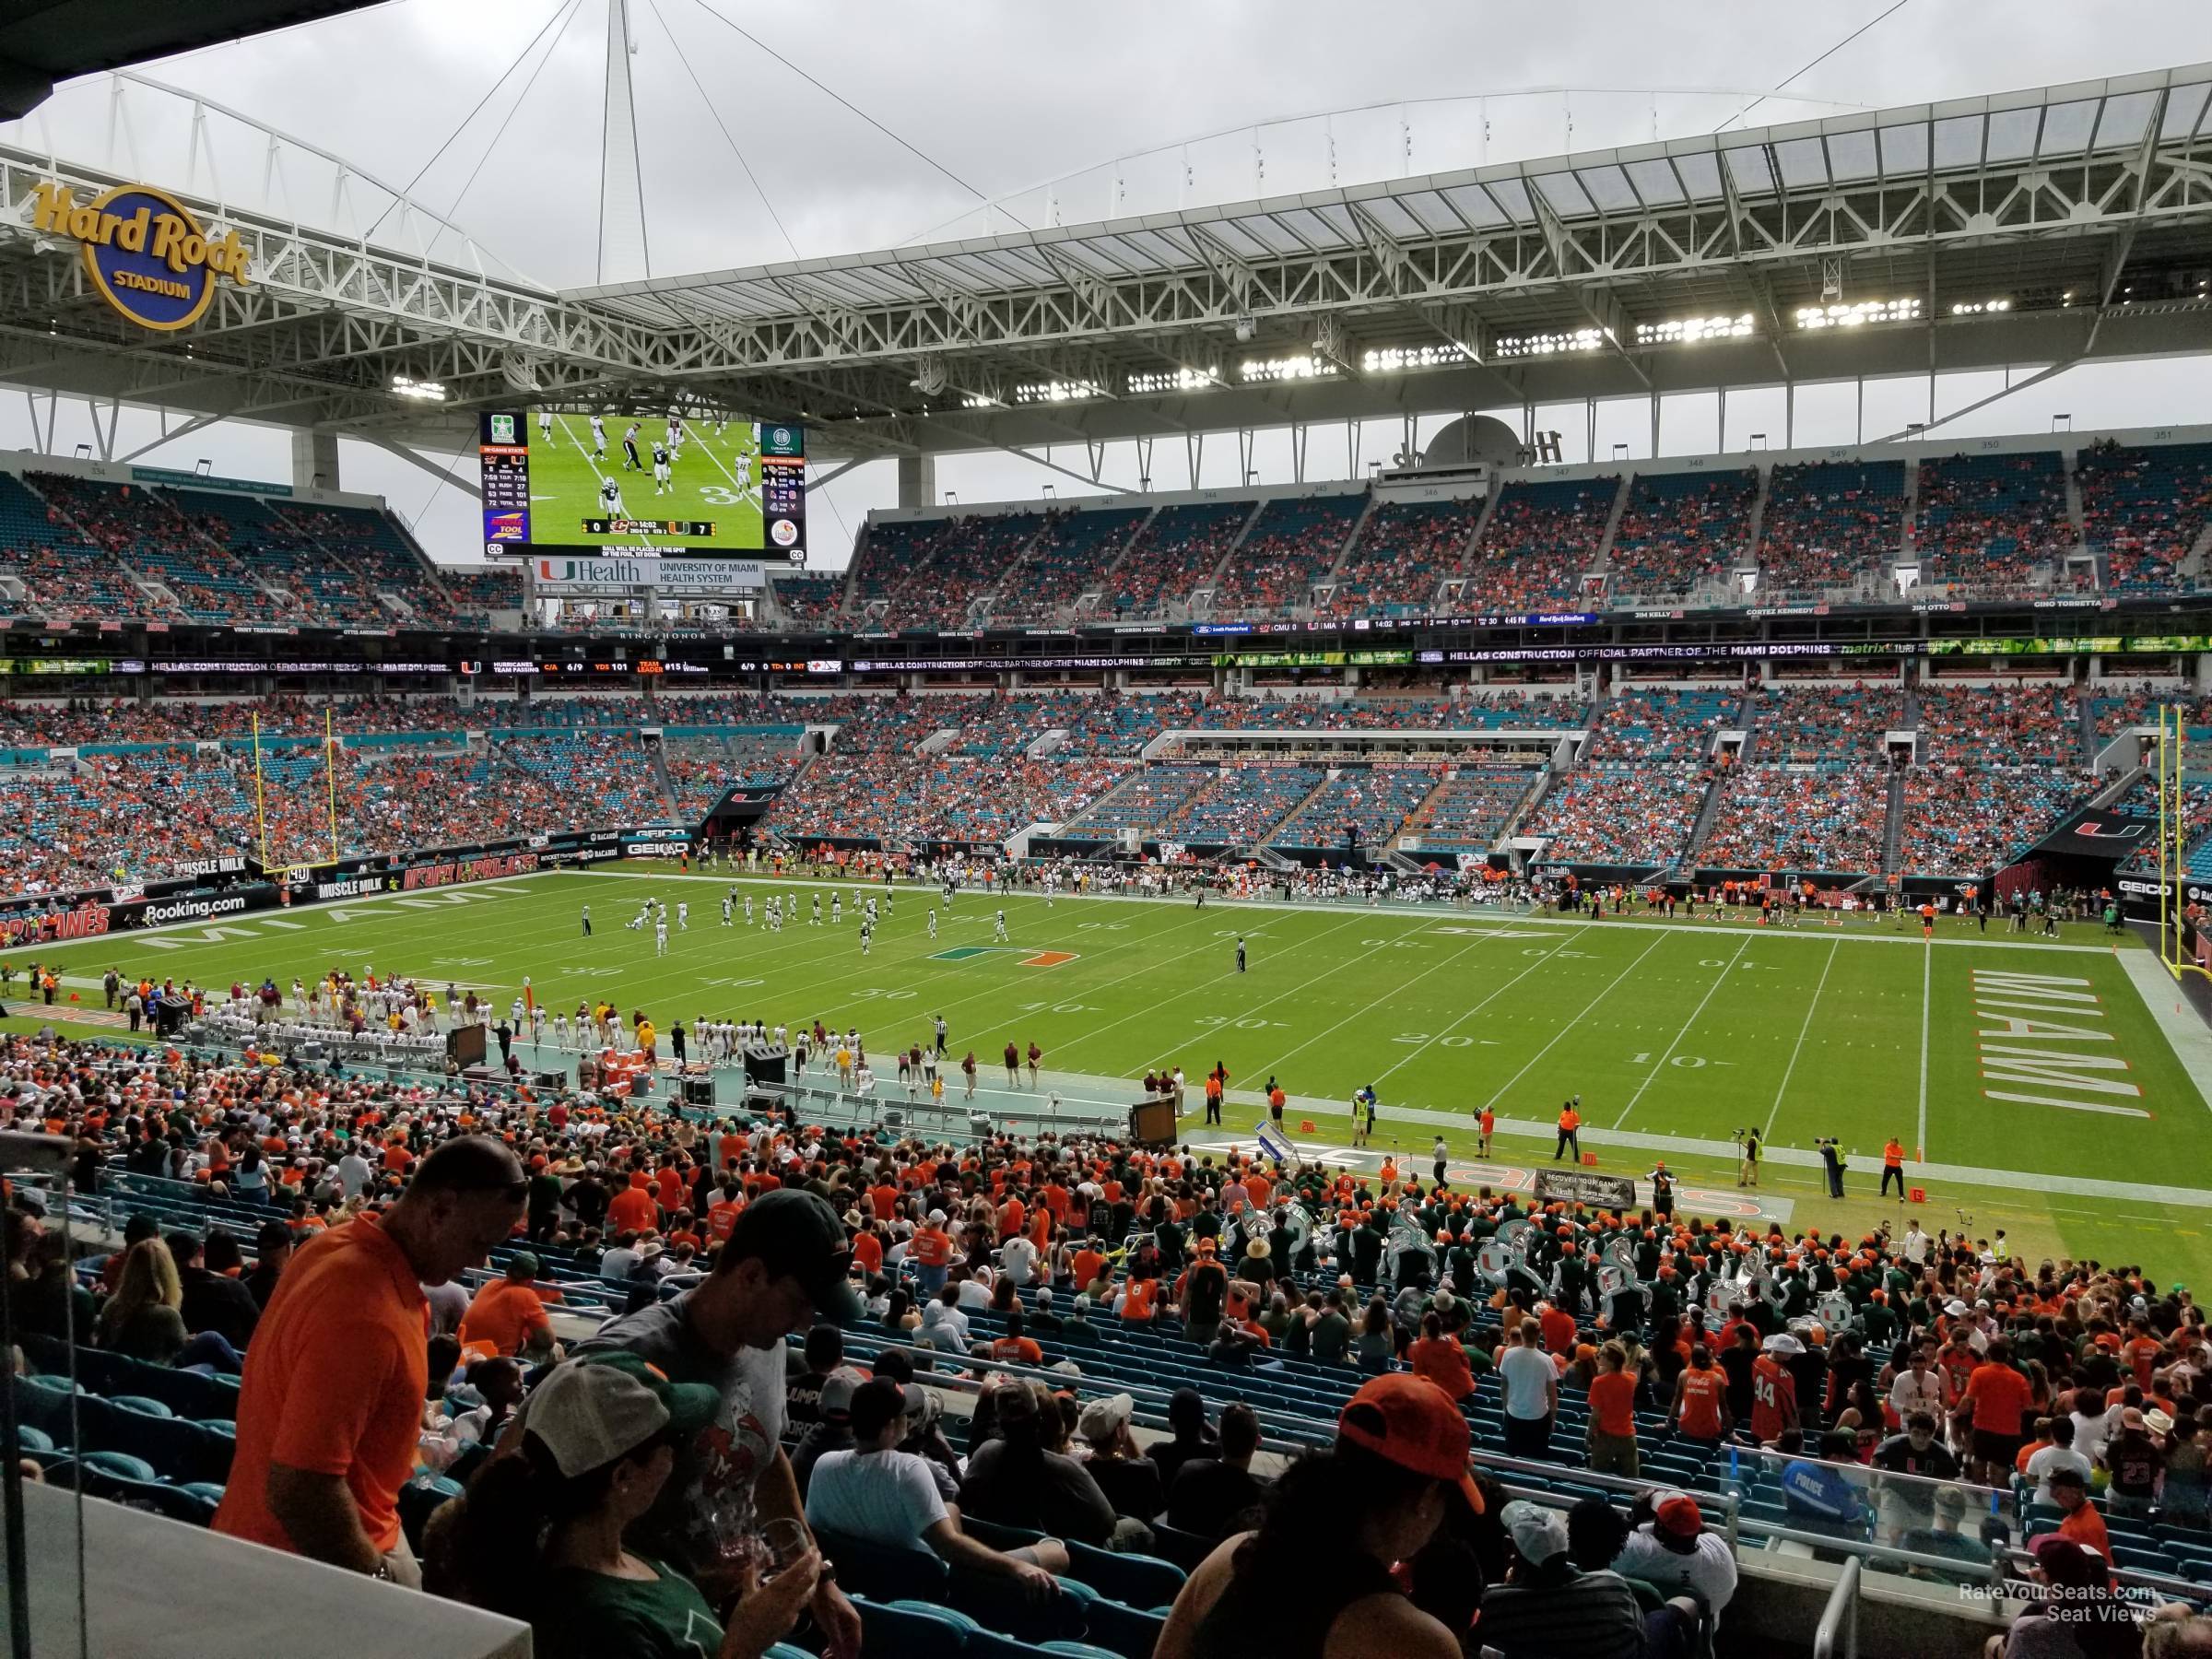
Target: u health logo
(143, 250)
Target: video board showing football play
(565, 480)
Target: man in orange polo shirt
(331, 1403)
(1570, 1123)
(506, 1317)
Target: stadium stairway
(666, 785)
(2077, 515)
(1755, 527)
(1708, 809)
(1893, 826)
(1094, 593)
(1211, 581)
(1602, 563)
(1351, 540)
(1904, 535)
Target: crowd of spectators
(1962, 820)
(1620, 817)
(1656, 727)
(1468, 812)
(1070, 558)
(1291, 545)
(1543, 535)
(1680, 531)
(1990, 520)
(1241, 804)
(1369, 803)
(1403, 554)
(1771, 818)
(1829, 525)
(1877, 1354)
(141, 527)
(1172, 554)
(1999, 725)
(1824, 725)
(2143, 510)
(896, 801)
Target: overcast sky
(1003, 97)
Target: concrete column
(917, 480)
(315, 461)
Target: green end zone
(960, 953)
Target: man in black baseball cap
(783, 1267)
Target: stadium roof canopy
(42, 41)
(2046, 227)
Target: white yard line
(1789, 1070)
(1396, 990)
(1719, 980)
(1570, 1026)
(1470, 1013)
(1927, 972)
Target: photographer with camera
(1831, 1160)
(1747, 1155)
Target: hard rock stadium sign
(143, 250)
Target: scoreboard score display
(641, 484)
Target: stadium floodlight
(1055, 391)
(1286, 368)
(1246, 328)
(1396, 360)
(1975, 308)
(1549, 344)
(1688, 331)
(418, 391)
(1152, 382)
(1856, 315)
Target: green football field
(2032, 1085)
(715, 478)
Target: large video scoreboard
(594, 481)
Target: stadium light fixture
(1854, 316)
(418, 391)
(1307, 367)
(1396, 360)
(1688, 331)
(1975, 308)
(1548, 344)
(1055, 391)
(1152, 382)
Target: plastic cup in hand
(780, 1543)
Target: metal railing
(1837, 1636)
(833, 1107)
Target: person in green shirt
(1332, 1330)
(539, 1534)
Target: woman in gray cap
(540, 1534)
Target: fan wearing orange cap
(1396, 1474)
